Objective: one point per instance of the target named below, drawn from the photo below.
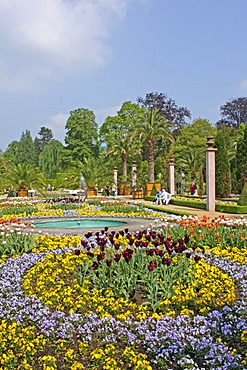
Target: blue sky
(60, 55)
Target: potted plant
(90, 170)
(23, 177)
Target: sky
(60, 55)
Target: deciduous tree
(234, 112)
(82, 134)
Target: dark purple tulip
(106, 228)
(152, 265)
(197, 258)
(126, 230)
(168, 243)
(117, 246)
(121, 232)
(170, 250)
(77, 252)
(100, 256)
(188, 255)
(186, 238)
(127, 254)
(108, 262)
(117, 257)
(90, 254)
(166, 261)
(94, 266)
(150, 252)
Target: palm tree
(152, 127)
(124, 147)
(190, 159)
(23, 176)
(90, 169)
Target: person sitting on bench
(165, 197)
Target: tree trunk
(151, 161)
(124, 159)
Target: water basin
(78, 224)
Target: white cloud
(102, 113)
(243, 85)
(57, 124)
(43, 38)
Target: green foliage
(45, 136)
(18, 210)
(201, 182)
(16, 243)
(223, 176)
(189, 149)
(241, 161)
(154, 190)
(91, 169)
(50, 160)
(26, 151)
(151, 128)
(23, 176)
(117, 133)
(82, 134)
(243, 196)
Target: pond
(78, 224)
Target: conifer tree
(223, 175)
(241, 161)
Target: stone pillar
(115, 175)
(171, 177)
(210, 174)
(133, 173)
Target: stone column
(133, 173)
(115, 175)
(210, 174)
(171, 177)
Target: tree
(25, 149)
(82, 134)
(241, 161)
(189, 148)
(11, 154)
(234, 112)
(23, 176)
(46, 136)
(50, 159)
(116, 133)
(91, 170)
(223, 175)
(150, 128)
(167, 107)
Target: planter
(22, 193)
(150, 186)
(91, 192)
(121, 189)
(138, 194)
(124, 189)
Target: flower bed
(173, 296)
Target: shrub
(243, 196)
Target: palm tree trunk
(124, 160)
(151, 161)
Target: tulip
(152, 265)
